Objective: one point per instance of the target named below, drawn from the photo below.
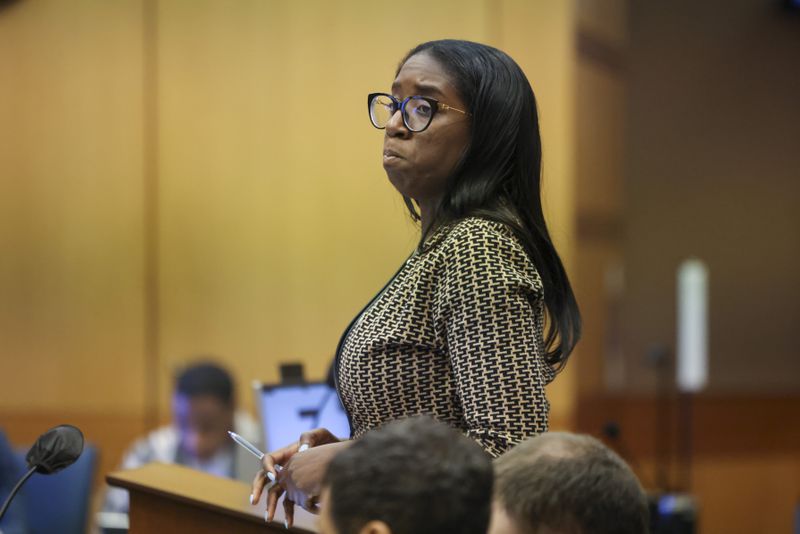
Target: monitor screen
(288, 410)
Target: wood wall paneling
(71, 300)
(189, 177)
(662, 102)
(712, 173)
(738, 455)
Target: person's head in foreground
(203, 409)
(562, 483)
(415, 476)
(462, 139)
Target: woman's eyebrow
(428, 89)
(420, 89)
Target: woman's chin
(400, 182)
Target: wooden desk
(174, 499)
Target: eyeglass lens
(417, 112)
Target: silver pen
(255, 452)
(246, 444)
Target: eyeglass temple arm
(400, 105)
(445, 106)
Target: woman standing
(481, 316)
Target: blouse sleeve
(490, 306)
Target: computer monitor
(288, 410)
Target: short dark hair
(417, 475)
(570, 483)
(205, 379)
(499, 175)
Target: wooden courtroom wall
(200, 177)
(683, 147)
(713, 172)
(278, 223)
(71, 225)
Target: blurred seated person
(415, 476)
(562, 483)
(203, 410)
(11, 471)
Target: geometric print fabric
(457, 334)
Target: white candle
(692, 323)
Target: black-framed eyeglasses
(417, 111)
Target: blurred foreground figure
(11, 470)
(567, 484)
(415, 476)
(203, 410)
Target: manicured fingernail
(266, 516)
(251, 498)
(303, 447)
(286, 524)
(270, 476)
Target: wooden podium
(174, 499)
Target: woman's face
(418, 163)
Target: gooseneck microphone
(56, 449)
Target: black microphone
(56, 449)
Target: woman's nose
(395, 127)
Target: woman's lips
(390, 157)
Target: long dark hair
(499, 175)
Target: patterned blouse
(455, 334)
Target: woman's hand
(301, 479)
(301, 475)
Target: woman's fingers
(288, 510)
(307, 440)
(258, 486)
(273, 495)
(270, 467)
(314, 438)
(275, 479)
(312, 505)
(279, 457)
